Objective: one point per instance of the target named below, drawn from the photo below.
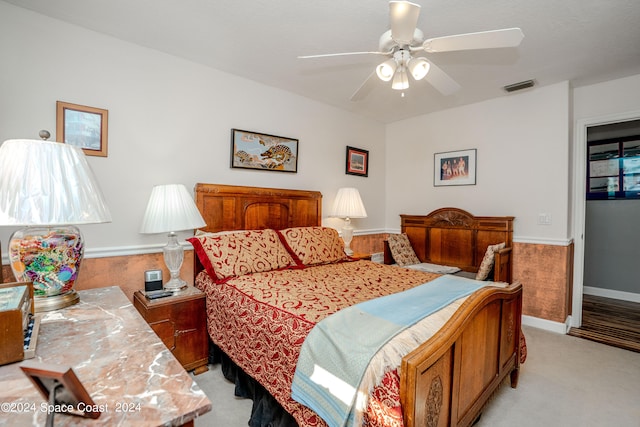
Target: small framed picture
(60, 386)
(455, 168)
(357, 161)
(253, 150)
(82, 126)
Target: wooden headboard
(232, 207)
(451, 236)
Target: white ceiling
(581, 41)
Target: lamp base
(173, 257)
(55, 302)
(175, 284)
(50, 258)
(347, 236)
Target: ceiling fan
(404, 43)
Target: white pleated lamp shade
(348, 204)
(171, 208)
(48, 183)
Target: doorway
(585, 130)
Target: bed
(445, 380)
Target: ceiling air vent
(519, 86)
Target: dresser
(118, 358)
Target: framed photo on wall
(455, 168)
(357, 161)
(82, 126)
(253, 150)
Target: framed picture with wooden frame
(357, 161)
(454, 168)
(62, 389)
(82, 126)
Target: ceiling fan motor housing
(387, 44)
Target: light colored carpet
(226, 409)
(566, 381)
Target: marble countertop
(121, 362)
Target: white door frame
(579, 202)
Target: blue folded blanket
(337, 351)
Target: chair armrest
(502, 266)
(388, 258)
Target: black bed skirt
(266, 411)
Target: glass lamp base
(175, 284)
(50, 258)
(173, 257)
(347, 236)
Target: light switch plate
(544, 219)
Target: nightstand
(181, 323)
(361, 256)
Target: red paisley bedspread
(261, 320)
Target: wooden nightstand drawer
(180, 322)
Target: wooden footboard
(448, 380)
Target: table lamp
(48, 187)
(347, 205)
(171, 208)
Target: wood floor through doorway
(610, 321)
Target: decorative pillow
(200, 233)
(313, 245)
(401, 249)
(225, 255)
(487, 262)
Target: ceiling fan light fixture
(386, 70)
(400, 79)
(404, 40)
(419, 67)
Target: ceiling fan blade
(404, 18)
(441, 80)
(365, 88)
(327, 55)
(509, 37)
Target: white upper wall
(608, 102)
(613, 97)
(170, 122)
(522, 143)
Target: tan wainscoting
(546, 274)
(369, 244)
(125, 271)
(7, 274)
(545, 271)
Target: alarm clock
(152, 280)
